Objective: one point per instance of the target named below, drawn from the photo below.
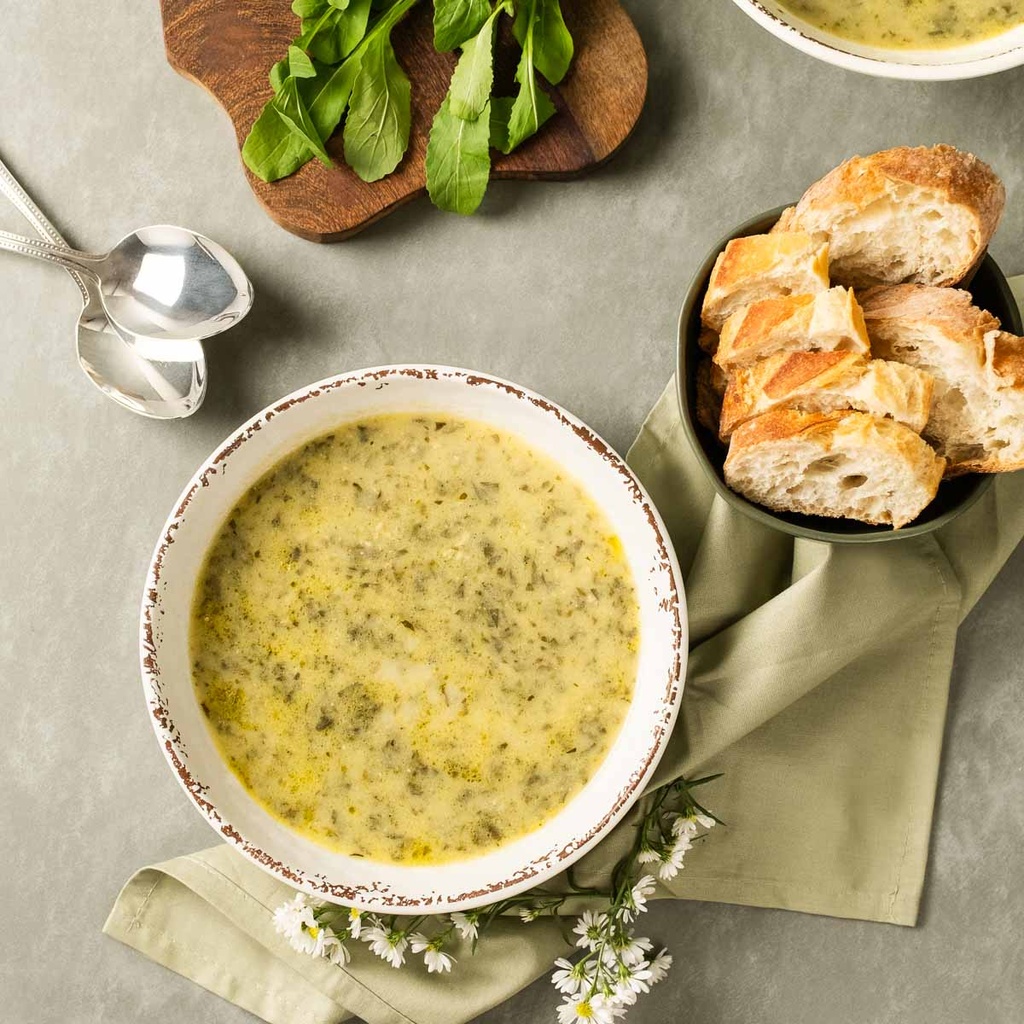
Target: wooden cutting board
(228, 47)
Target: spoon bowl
(172, 284)
(163, 283)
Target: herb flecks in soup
(415, 638)
(911, 24)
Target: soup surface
(415, 638)
(910, 24)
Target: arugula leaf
(270, 149)
(335, 32)
(327, 97)
(380, 111)
(541, 21)
(455, 21)
(299, 64)
(501, 111)
(532, 105)
(474, 74)
(340, 4)
(291, 108)
(309, 8)
(278, 73)
(458, 159)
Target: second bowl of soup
(925, 39)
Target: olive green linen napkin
(817, 683)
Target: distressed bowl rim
(542, 867)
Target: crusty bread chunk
(937, 329)
(834, 464)
(763, 266)
(711, 384)
(827, 382)
(923, 215)
(826, 321)
(979, 422)
(977, 417)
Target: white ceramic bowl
(970, 61)
(181, 728)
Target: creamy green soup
(910, 24)
(415, 638)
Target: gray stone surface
(572, 289)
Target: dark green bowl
(990, 291)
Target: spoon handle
(69, 259)
(12, 188)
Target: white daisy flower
(589, 929)
(647, 855)
(659, 966)
(631, 951)
(437, 961)
(388, 945)
(631, 982)
(672, 859)
(466, 924)
(296, 922)
(595, 1010)
(637, 900)
(528, 914)
(569, 977)
(684, 827)
(337, 952)
(355, 922)
(705, 821)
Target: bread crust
(950, 310)
(836, 431)
(1004, 356)
(960, 178)
(757, 262)
(779, 376)
(748, 334)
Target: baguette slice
(979, 422)
(923, 215)
(761, 267)
(846, 464)
(827, 382)
(711, 384)
(977, 417)
(826, 321)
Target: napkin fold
(817, 683)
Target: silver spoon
(113, 362)
(160, 282)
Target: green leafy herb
(473, 77)
(291, 108)
(458, 159)
(380, 112)
(455, 21)
(344, 62)
(332, 32)
(299, 64)
(532, 105)
(552, 47)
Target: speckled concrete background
(572, 289)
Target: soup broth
(910, 24)
(415, 638)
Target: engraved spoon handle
(69, 259)
(12, 188)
